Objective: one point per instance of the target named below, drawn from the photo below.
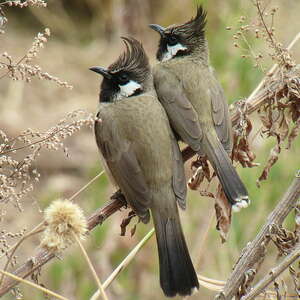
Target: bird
(194, 100)
(143, 158)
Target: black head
(127, 76)
(180, 40)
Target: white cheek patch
(172, 51)
(129, 88)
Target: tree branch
(273, 274)
(253, 250)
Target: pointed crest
(133, 59)
(193, 29)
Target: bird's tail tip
(242, 202)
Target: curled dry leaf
(207, 194)
(125, 223)
(196, 180)
(284, 239)
(241, 151)
(246, 284)
(201, 172)
(273, 157)
(223, 214)
(280, 113)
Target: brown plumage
(141, 154)
(194, 100)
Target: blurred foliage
(87, 32)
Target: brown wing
(122, 162)
(220, 113)
(182, 116)
(179, 181)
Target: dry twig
(252, 253)
(273, 274)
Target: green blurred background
(86, 33)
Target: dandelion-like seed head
(64, 219)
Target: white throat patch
(172, 51)
(129, 88)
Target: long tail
(233, 187)
(177, 274)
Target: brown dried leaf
(243, 154)
(246, 284)
(133, 230)
(196, 180)
(241, 148)
(284, 239)
(273, 157)
(201, 172)
(264, 119)
(223, 214)
(283, 129)
(207, 194)
(126, 221)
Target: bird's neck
(200, 53)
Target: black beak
(101, 71)
(158, 28)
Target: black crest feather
(193, 30)
(133, 60)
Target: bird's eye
(172, 40)
(123, 78)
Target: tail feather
(177, 274)
(232, 185)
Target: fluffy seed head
(63, 219)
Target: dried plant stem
(273, 69)
(35, 230)
(43, 255)
(86, 185)
(259, 95)
(91, 267)
(13, 248)
(273, 274)
(36, 142)
(34, 285)
(124, 263)
(253, 251)
(211, 284)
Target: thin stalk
(53, 294)
(124, 263)
(91, 267)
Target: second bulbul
(194, 100)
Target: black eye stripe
(172, 39)
(123, 76)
